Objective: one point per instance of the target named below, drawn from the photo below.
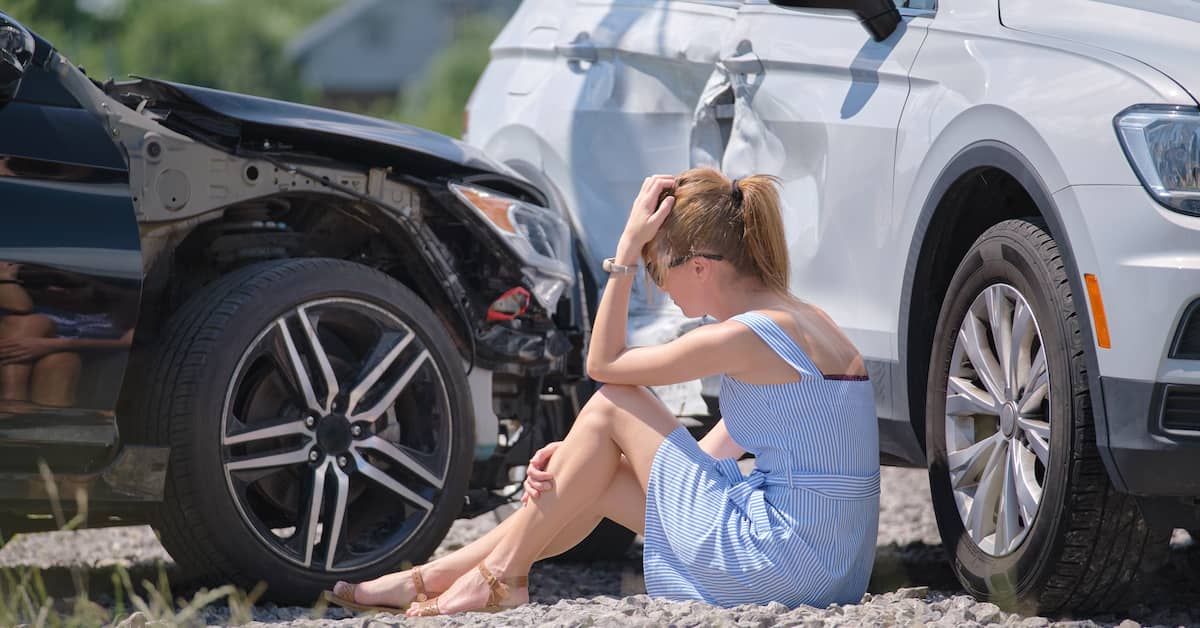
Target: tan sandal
(498, 592)
(351, 602)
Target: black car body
(201, 293)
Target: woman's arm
(609, 327)
(719, 444)
(707, 350)
(14, 299)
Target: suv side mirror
(16, 51)
(879, 17)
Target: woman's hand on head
(647, 213)
(537, 479)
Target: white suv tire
(1078, 544)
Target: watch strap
(611, 267)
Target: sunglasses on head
(680, 260)
(683, 258)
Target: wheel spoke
(980, 519)
(316, 498)
(322, 358)
(377, 474)
(339, 517)
(1023, 333)
(974, 341)
(1028, 491)
(1038, 443)
(398, 455)
(1039, 384)
(374, 412)
(965, 399)
(299, 373)
(269, 461)
(1034, 426)
(287, 428)
(382, 357)
(1007, 524)
(1000, 319)
(968, 464)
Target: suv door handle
(580, 49)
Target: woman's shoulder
(815, 332)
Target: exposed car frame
(222, 184)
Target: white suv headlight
(1163, 144)
(539, 236)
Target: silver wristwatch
(611, 267)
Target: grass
(25, 600)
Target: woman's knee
(607, 403)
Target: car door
(640, 67)
(70, 281)
(817, 102)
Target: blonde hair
(740, 220)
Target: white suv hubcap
(998, 419)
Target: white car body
(586, 98)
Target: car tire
(608, 542)
(377, 475)
(1078, 543)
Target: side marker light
(1098, 317)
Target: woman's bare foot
(471, 592)
(397, 589)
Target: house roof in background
(327, 26)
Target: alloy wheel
(335, 434)
(998, 419)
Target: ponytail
(762, 232)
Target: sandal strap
(419, 584)
(516, 581)
(499, 586)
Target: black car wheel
(319, 425)
(1023, 502)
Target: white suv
(1000, 203)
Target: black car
(297, 342)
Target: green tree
(227, 44)
(437, 101)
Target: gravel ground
(911, 584)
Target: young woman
(800, 529)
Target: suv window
(927, 5)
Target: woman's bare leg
(55, 379)
(623, 501)
(14, 378)
(618, 419)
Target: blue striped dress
(801, 528)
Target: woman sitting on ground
(800, 529)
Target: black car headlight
(539, 236)
(1162, 143)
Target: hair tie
(735, 192)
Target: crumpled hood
(337, 131)
(1164, 34)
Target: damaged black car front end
(345, 332)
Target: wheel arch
(172, 274)
(944, 233)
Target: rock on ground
(912, 583)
